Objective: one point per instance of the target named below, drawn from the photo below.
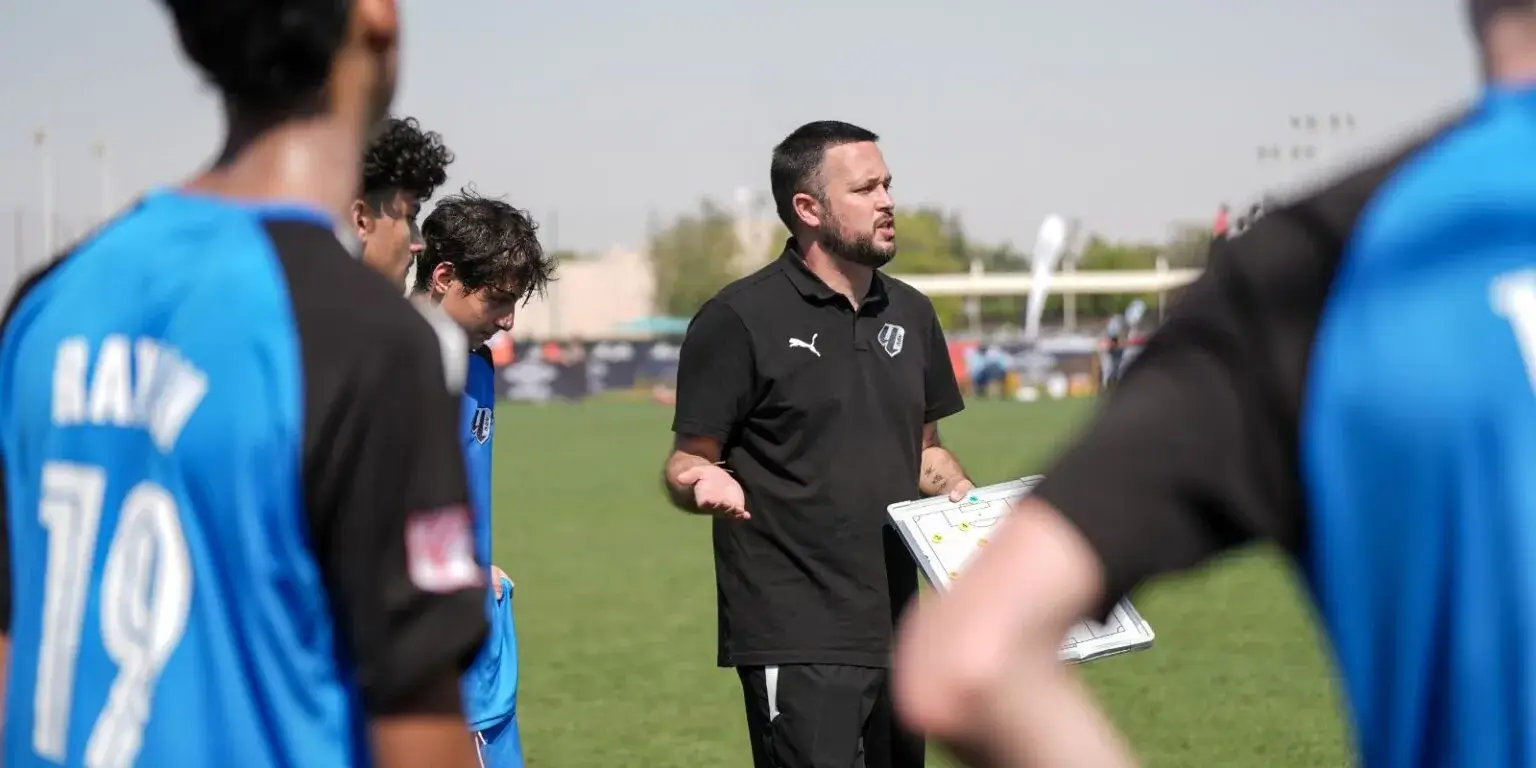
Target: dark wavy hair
(796, 163)
(404, 158)
(491, 246)
(263, 55)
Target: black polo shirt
(821, 410)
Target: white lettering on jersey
(70, 364)
(1514, 297)
(147, 385)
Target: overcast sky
(1126, 113)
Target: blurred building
(593, 298)
(761, 240)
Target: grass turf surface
(616, 610)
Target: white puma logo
(811, 345)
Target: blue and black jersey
(1353, 379)
(490, 684)
(235, 509)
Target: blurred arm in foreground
(1188, 457)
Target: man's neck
(316, 161)
(841, 275)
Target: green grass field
(616, 610)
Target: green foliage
(697, 254)
(1100, 254)
(931, 243)
(692, 259)
(1189, 247)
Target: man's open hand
(715, 492)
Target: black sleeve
(385, 481)
(941, 391)
(715, 374)
(1194, 450)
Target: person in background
(976, 370)
(1114, 348)
(402, 169)
(481, 261)
(997, 364)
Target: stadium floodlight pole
(1069, 262)
(21, 246)
(1311, 139)
(104, 177)
(45, 154)
(552, 295)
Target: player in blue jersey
(482, 260)
(224, 541)
(402, 167)
(1351, 378)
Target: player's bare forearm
(429, 732)
(1039, 714)
(688, 452)
(978, 667)
(425, 742)
(941, 471)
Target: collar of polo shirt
(813, 287)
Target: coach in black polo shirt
(808, 398)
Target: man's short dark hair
(491, 246)
(263, 55)
(797, 159)
(404, 158)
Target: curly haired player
(482, 259)
(402, 167)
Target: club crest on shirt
(891, 338)
(482, 424)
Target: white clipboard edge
(903, 514)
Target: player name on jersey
(140, 384)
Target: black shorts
(824, 716)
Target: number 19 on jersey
(145, 597)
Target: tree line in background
(699, 252)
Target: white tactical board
(942, 535)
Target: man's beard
(861, 251)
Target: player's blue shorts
(491, 687)
(501, 746)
